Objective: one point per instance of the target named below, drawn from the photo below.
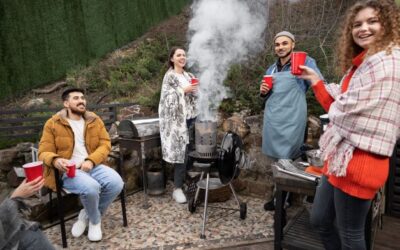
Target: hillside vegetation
(40, 40)
(134, 73)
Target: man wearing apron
(285, 113)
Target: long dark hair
(171, 55)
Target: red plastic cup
(33, 170)
(268, 81)
(297, 58)
(71, 170)
(194, 80)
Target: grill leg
(146, 204)
(234, 194)
(203, 236)
(196, 196)
(278, 225)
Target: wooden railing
(28, 124)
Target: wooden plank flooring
(387, 238)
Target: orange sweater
(366, 172)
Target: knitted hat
(285, 33)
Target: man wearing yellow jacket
(79, 136)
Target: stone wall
(256, 178)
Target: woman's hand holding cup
(193, 87)
(309, 74)
(27, 189)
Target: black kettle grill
(230, 157)
(227, 160)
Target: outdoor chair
(62, 192)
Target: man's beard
(77, 111)
(288, 53)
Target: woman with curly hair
(364, 114)
(177, 111)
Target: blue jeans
(350, 213)
(96, 189)
(34, 239)
(180, 168)
(179, 174)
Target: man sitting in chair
(77, 135)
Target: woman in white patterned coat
(177, 110)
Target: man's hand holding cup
(266, 84)
(61, 164)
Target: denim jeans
(34, 239)
(179, 174)
(180, 168)
(339, 218)
(96, 189)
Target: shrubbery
(136, 76)
(131, 75)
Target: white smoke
(222, 33)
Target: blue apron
(285, 117)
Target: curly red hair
(389, 16)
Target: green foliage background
(129, 77)
(42, 39)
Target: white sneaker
(179, 196)
(95, 233)
(80, 225)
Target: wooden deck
(387, 238)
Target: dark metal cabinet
(393, 184)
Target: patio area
(168, 225)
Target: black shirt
(279, 66)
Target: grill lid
(139, 127)
(229, 157)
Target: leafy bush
(133, 75)
(244, 80)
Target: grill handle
(201, 165)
